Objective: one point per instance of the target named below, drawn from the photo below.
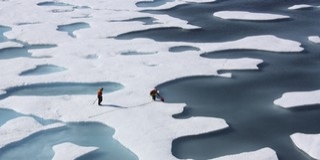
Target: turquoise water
(53, 89)
(134, 53)
(39, 145)
(42, 70)
(155, 3)
(3, 29)
(53, 4)
(18, 52)
(7, 114)
(183, 48)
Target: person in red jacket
(155, 94)
(99, 94)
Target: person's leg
(160, 98)
(154, 97)
(99, 100)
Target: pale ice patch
(70, 151)
(20, 128)
(309, 143)
(295, 99)
(244, 15)
(315, 39)
(262, 154)
(9, 44)
(40, 33)
(261, 42)
(300, 6)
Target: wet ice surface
(140, 58)
(42, 69)
(61, 89)
(71, 28)
(40, 144)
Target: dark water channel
(245, 101)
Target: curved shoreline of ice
(300, 6)
(314, 39)
(20, 128)
(73, 151)
(244, 15)
(309, 143)
(146, 128)
(5, 45)
(298, 99)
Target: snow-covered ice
(315, 39)
(19, 128)
(244, 15)
(73, 151)
(144, 127)
(309, 143)
(300, 6)
(297, 99)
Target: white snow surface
(244, 15)
(144, 127)
(72, 152)
(20, 128)
(297, 99)
(300, 6)
(309, 143)
(315, 39)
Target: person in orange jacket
(155, 94)
(99, 94)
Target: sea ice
(300, 6)
(315, 39)
(244, 15)
(295, 99)
(309, 143)
(73, 151)
(22, 127)
(147, 128)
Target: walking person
(99, 94)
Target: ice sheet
(147, 128)
(22, 127)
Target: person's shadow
(111, 105)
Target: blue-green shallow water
(58, 88)
(42, 69)
(38, 146)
